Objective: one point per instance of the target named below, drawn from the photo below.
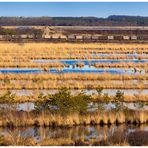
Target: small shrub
(42, 102)
(106, 98)
(8, 97)
(101, 107)
(119, 97)
(99, 90)
(63, 102)
(140, 105)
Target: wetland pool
(85, 133)
(91, 107)
(84, 69)
(92, 61)
(111, 92)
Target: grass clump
(7, 97)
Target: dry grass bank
(16, 119)
(71, 84)
(29, 51)
(73, 76)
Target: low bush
(63, 102)
(8, 97)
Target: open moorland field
(73, 94)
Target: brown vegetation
(14, 119)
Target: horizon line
(79, 16)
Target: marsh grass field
(55, 80)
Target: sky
(73, 9)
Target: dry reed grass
(73, 76)
(15, 119)
(29, 51)
(72, 84)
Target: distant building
(71, 37)
(133, 37)
(79, 37)
(30, 36)
(55, 36)
(24, 36)
(46, 36)
(14, 36)
(110, 37)
(126, 37)
(63, 37)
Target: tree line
(114, 20)
(20, 31)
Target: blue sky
(97, 9)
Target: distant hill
(113, 20)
